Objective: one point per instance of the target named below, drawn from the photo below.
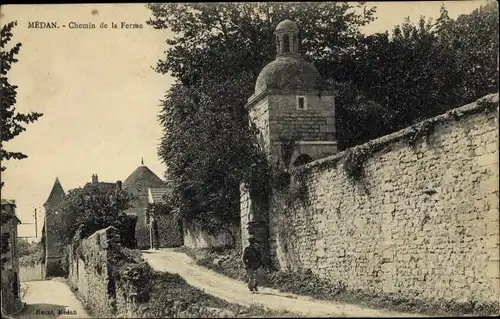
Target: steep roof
(155, 195)
(140, 180)
(57, 192)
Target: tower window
(286, 43)
(301, 103)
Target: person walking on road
(252, 261)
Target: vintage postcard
(250, 159)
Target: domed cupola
(289, 71)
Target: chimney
(94, 179)
(118, 187)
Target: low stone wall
(116, 282)
(90, 270)
(31, 272)
(196, 237)
(414, 213)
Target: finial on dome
(287, 41)
(142, 160)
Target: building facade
(10, 293)
(289, 105)
(137, 184)
(53, 249)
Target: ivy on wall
(355, 157)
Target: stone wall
(31, 272)
(422, 220)
(196, 237)
(259, 115)
(276, 116)
(316, 123)
(90, 270)
(115, 282)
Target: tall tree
(11, 121)
(216, 56)
(89, 209)
(473, 39)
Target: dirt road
(235, 291)
(50, 299)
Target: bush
(132, 273)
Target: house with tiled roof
(107, 186)
(137, 184)
(142, 184)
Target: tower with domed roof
(289, 103)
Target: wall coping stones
(483, 104)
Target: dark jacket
(252, 258)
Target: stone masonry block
(388, 255)
(327, 128)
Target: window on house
(301, 103)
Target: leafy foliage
(420, 71)
(5, 247)
(11, 121)
(206, 148)
(25, 248)
(29, 253)
(89, 209)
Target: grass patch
(170, 293)
(307, 284)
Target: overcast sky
(100, 96)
